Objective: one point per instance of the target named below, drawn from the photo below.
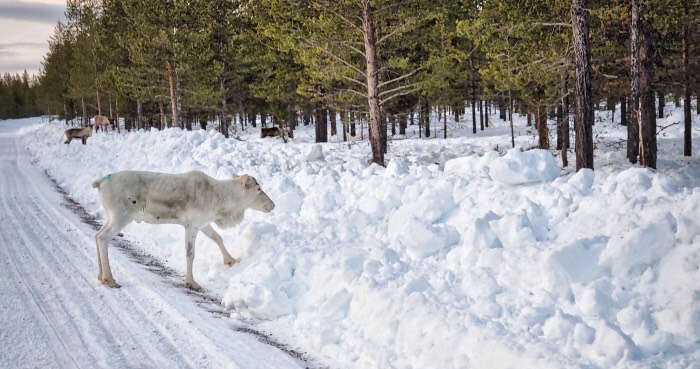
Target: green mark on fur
(107, 177)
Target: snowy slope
(454, 256)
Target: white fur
(193, 200)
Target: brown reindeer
(101, 121)
(81, 133)
(276, 131)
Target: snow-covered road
(55, 314)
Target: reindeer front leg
(190, 238)
(214, 236)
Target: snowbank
(479, 261)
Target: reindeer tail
(98, 182)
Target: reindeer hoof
(193, 286)
(110, 282)
(230, 262)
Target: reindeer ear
(247, 181)
(250, 182)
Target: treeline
(163, 63)
(18, 96)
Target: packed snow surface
(453, 256)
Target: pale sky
(25, 28)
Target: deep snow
(454, 256)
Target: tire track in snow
(115, 323)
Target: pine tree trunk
(353, 127)
(481, 114)
(560, 127)
(612, 110)
(473, 112)
(425, 116)
(116, 113)
(173, 100)
(512, 130)
(402, 124)
(662, 104)
(565, 119)
(321, 127)
(444, 122)
(511, 104)
(111, 113)
(634, 123)
(542, 129)
(97, 98)
(529, 119)
(344, 125)
(487, 110)
(83, 119)
(162, 114)
(583, 121)
(502, 109)
(646, 97)
(687, 134)
(623, 110)
(139, 110)
(392, 119)
(371, 62)
(332, 116)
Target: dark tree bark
(542, 129)
(402, 124)
(139, 114)
(529, 119)
(444, 122)
(473, 113)
(687, 139)
(321, 127)
(382, 134)
(662, 103)
(646, 97)
(481, 114)
(583, 121)
(560, 119)
(565, 119)
(344, 124)
(392, 119)
(84, 120)
(334, 128)
(116, 113)
(487, 110)
(502, 109)
(511, 105)
(512, 130)
(623, 110)
(425, 116)
(353, 127)
(634, 121)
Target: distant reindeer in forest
(81, 133)
(276, 131)
(101, 121)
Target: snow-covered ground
(454, 256)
